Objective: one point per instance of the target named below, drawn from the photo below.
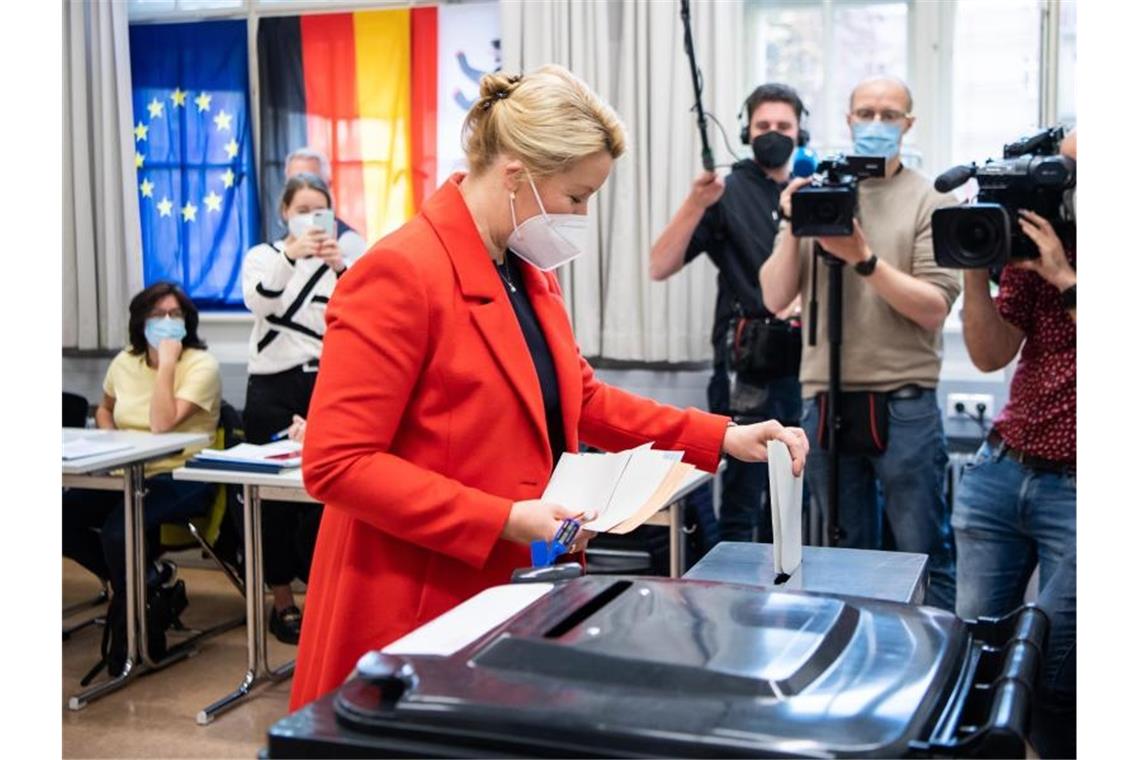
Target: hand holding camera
(786, 195)
(851, 249)
(1052, 265)
(330, 253)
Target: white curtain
(631, 54)
(102, 263)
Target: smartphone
(324, 219)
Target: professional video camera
(985, 234)
(826, 207)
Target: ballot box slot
(587, 610)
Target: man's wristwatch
(1069, 296)
(865, 268)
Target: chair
(75, 409)
(213, 533)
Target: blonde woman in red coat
(451, 382)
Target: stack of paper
(787, 491)
(625, 489)
(248, 457)
(77, 446)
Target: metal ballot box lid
(892, 576)
(612, 666)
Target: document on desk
(76, 446)
(625, 488)
(787, 492)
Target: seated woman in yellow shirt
(165, 381)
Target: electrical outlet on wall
(970, 405)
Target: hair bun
(496, 86)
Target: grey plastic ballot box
(893, 576)
(639, 667)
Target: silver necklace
(505, 273)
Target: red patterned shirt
(1041, 416)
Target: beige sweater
(882, 349)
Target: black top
(511, 275)
(737, 232)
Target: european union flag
(194, 156)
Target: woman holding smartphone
(287, 284)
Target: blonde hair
(547, 119)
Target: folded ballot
(624, 488)
(787, 493)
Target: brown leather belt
(1041, 464)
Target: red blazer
(427, 423)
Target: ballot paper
(624, 488)
(280, 453)
(461, 625)
(787, 493)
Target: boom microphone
(954, 177)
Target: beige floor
(154, 716)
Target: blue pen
(280, 435)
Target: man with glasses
(895, 299)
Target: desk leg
(258, 670)
(676, 539)
(133, 493)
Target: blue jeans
(1007, 520)
(912, 476)
(745, 505)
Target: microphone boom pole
(702, 123)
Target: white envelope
(787, 493)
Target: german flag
(361, 88)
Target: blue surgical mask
(876, 138)
(159, 329)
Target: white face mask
(548, 241)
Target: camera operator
(895, 299)
(1016, 505)
(734, 221)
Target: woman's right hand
(306, 245)
(537, 520)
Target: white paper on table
(80, 447)
(640, 479)
(461, 625)
(586, 482)
(287, 453)
(787, 493)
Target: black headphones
(767, 93)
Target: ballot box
(634, 667)
(893, 576)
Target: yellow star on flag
(228, 178)
(189, 212)
(178, 97)
(139, 160)
(140, 131)
(203, 101)
(155, 107)
(222, 120)
(147, 188)
(213, 201)
(164, 207)
(232, 148)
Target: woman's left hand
(749, 443)
(329, 252)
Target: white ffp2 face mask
(548, 241)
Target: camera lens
(827, 213)
(977, 237)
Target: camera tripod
(835, 266)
